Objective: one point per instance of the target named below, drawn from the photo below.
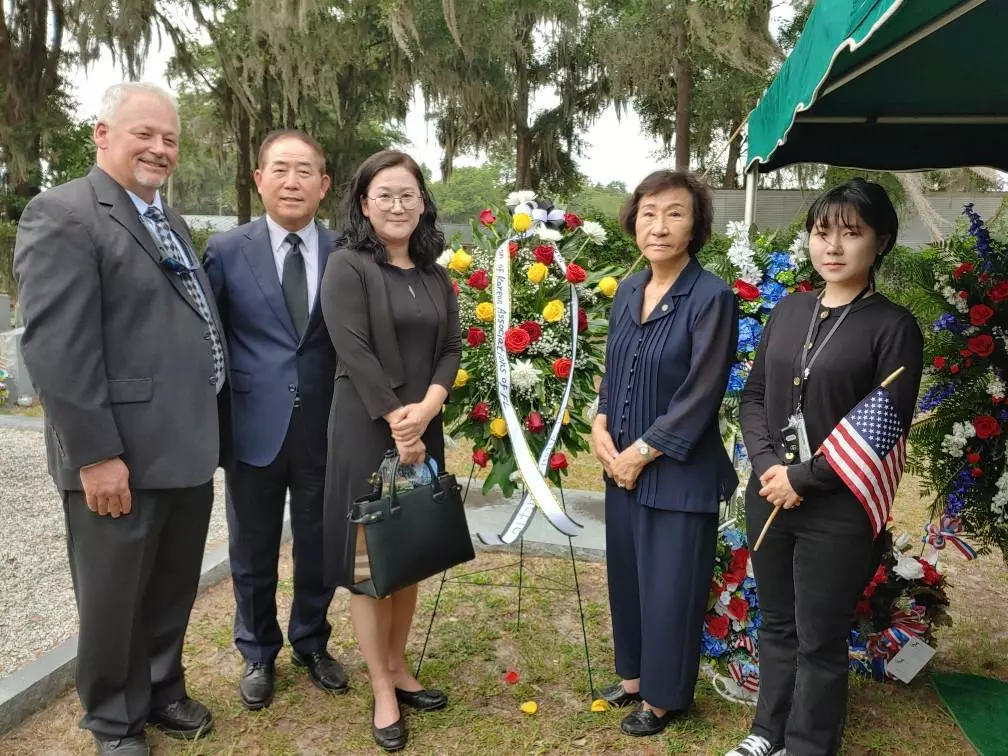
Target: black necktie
(295, 284)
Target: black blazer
(357, 312)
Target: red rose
(997, 399)
(999, 293)
(571, 221)
(739, 560)
(717, 587)
(961, 270)
(986, 427)
(558, 462)
(513, 249)
(534, 422)
(982, 345)
(804, 286)
(746, 290)
(582, 320)
(562, 368)
(738, 608)
(480, 413)
(455, 287)
(963, 295)
(533, 329)
(487, 218)
(954, 369)
(938, 362)
(973, 458)
(479, 280)
(575, 273)
(475, 337)
(931, 576)
(719, 626)
(980, 314)
(863, 609)
(965, 353)
(544, 254)
(516, 340)
(480, 457)
(976, 472)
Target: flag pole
(777, 507)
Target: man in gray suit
(123, 342)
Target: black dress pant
(810, 573)
(255, 508)
(135, 579)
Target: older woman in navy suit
(672, 340)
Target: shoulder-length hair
(427, 240)
(869, 201)
(659, 181)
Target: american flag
(868, 451)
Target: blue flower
(737, 377)
(772, 292)
(980, 235)
(779, 262)
(935, 396)
(749, 331)
(713, 648)
(948, 322)
(734, 537)
(749, 593)
(956, 499)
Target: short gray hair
(117, 94)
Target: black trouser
(255, 508)
(135, 579)
(810, 573)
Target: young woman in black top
(822, 549)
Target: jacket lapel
(258, 251)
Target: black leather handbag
(413, 534)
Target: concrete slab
(22, 422)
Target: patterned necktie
(171, 248)
(295, 284)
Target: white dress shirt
(309, 251)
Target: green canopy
(890, 85)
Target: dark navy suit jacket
(269, 364)
(664, 382)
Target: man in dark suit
(265, 277)
(126, 349)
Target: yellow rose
(566, 417)
(461, 378)
(553, 311)
(537, 273)
(460, 261)
(498, 427)
(607, 286)
(522, 222)
(485, 312)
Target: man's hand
(106, 487)
(777, 488)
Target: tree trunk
(523, 134)
(243, 169)
(684, 103)
(734, 153)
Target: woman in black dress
(393, 319)
(821, 353)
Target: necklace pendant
(410, 287)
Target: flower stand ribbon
(948, 532)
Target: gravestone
(11, 360)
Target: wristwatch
(644, 449)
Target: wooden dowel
(769, 522)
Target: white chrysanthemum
(548, 234)
(799, 249)
(1001, 497)
(517, 198)
(445, 258)
(515, 477)
(995, 386)
(594, 231)
(525, 375)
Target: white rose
(909, 568)
(548, 234)
(445, 258)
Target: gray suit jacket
(117, 349)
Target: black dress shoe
(391, 738)
(256, 687)
(422, 700)
(642, 722)
(325, 671)
(616, 696)
(185, 719)
(134, 746)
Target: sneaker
(756, 745)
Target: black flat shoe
(644, 722)
(422, 700)
(184, 719)
(256, 686)
(326, 672)
(132, 746)
(391, 738)
(617, 697)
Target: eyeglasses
(408, 200)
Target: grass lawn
(10, 408)
(475, 642)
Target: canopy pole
(751, 181)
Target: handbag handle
(393, 508)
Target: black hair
(301, 136)
(871, 203)
(659, 181)
(427, 240)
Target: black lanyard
(807, 362)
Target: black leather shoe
(185, 719)
(642, 722)
(325, 671)
(256, 687)
(422, 700)
(391, 738)
(616, 696)
(134, 746)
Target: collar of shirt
(309, 251)
(141, 204)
